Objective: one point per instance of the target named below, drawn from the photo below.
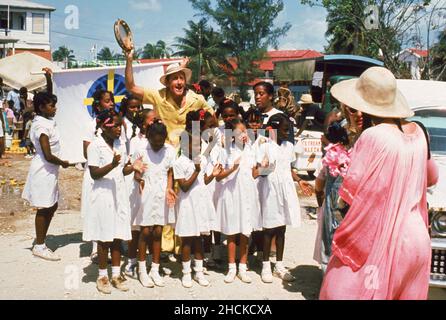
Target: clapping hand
(116, 160)
(307, 189)
(217, 170)
(139, 165)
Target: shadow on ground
(308, 281)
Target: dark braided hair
(157, 128)
(254, 115)
(41, 99)
(276, 121)
(103, 116)
(230, 104)
(200, 115)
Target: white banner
(74, 90)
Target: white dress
(140, 141)
(127, 133)
(109, 215)
(87, 182)
(41, 188)
(154, 210)
(238, 208)
(195, 212)
(278, 195)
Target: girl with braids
(278, 197)
(195, 210)
(143, 119)
(108, 220)
(157, 200)
(44, 171)
(102, 100)
(130, 106)
(238, 209)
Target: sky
(153, 20)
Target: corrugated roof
(25, 5)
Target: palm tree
(63, 54)
(205, 48)
(156, 51)
(106, 54)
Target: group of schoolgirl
(224, 185)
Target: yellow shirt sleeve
(150, 97)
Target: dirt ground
(25, 277)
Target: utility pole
(199, 53)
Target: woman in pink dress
(382, 248)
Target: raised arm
(129, 80)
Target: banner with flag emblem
(74, 90)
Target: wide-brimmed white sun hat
(374, 93)
(306, 99)
(175, 68)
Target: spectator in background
(2, 131)
(312, 117)
(219, 96)
(28, 144)
(13, 98)
(10, 117)
(2, 92)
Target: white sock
(186, 267)
(116, 271)
(267, 266)
(95, 247)
(142, 267)
(198, 266)
(242, 267)
(132, 262)
(40, 247)
(155, 267)
(232, 266)
(103, 273)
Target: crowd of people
(229, 174)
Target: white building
(25, 26)
(415, 59)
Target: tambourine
(124, 35)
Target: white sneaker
(186, 280)
(267, 276)
(282, 273)
(156, 278)
(130, 271)
(243, 275)
(46, 254)
(230, 277)
(145, 280)
(202, 281)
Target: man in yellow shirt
(171, 103)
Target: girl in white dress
(41, 188)
(238, 209)
(194, 209)
(102, 100)
(143, 119)
(157, 199)
(108, 220)
(130, 106)
(278, 196)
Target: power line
(83, 37)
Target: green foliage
(247, 27)
(63, 54)
(206, 49)
(438, 58)
(158, 50)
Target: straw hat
(306, 99)
(374, 93)
(175, 68)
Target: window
(38, 23)
(17, 20)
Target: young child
(157, 200)
(28, 144)
(130, 106)
(102, 100)
(238, 210)
(278, 197)
(41, 188)
(108, 221)
(194, 210)
(143, 119)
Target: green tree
(438, 58)
(63, 54)
(396, 25)
(248, 27)
(158, 50)
(107, 54)
(206, 49)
